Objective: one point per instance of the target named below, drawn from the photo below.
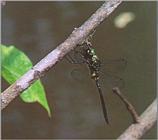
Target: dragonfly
(88, 56)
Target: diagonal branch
(146, 121)
(76, 37)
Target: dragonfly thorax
(93, 63)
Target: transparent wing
(80, 74)
(110, 69)
(75, 57)
(114, 66)
(111, 80)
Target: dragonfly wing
(80, 74)
(114, 66)
(112, 80)
(75, 57)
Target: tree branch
(76, 37)
(128, 105)
(146, 121)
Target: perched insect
(91, 59)
(94, 65)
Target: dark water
(38, 27)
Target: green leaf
(14, 64)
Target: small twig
(147, 120)
(129, 106)
(141, 124)
(41, 68)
